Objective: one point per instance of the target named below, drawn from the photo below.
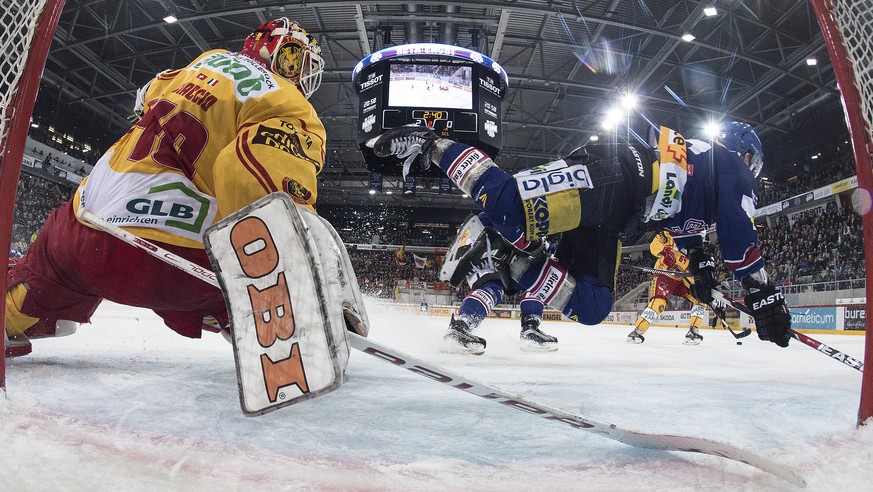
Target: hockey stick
(743, 334)
(488, 392)
(674, 273)
(806, 339)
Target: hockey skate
(693, 337)
(459, 340)
(19, 345)
(534, 340)
(636, 336)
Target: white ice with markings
(125, 404)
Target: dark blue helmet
(741, 138)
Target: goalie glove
(407, 142)
(767, 305)
(703, 267)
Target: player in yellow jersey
(663, 286)
(212, 137)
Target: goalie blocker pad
(289, 289)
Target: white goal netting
(18, 20)
(854, 20)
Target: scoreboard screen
(454, 91)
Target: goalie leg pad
(289, 334)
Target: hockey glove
(703, 267)
(406, 142)
(772, 318)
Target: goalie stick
(637, 439)
(806, 339)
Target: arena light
(611, 118)
(710, 11)
(812, 62)
(594, 138)
(688, 37)
(629, 101)
(170, 18)
(712, 129)
(372, 192)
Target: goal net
(26, 30)
(847, 26)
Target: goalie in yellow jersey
(663, 286)
(210, 139)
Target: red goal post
(28, 28)
(847, 27)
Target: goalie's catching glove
(406, 142)
(702, 266)
(772, 319)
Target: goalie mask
(741, 138)
(289, 51)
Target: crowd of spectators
(35, 198)
(820, 245)
(377, 271)
(840, 168)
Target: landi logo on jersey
(249, 79)
(174, 205)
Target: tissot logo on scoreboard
(489, 84)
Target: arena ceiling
(568, 62)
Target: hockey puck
(739, 343)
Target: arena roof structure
(569, 62)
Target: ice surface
(125, 404)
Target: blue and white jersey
(720, 190)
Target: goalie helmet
(741, 138)
(287, 50)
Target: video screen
(430, 85)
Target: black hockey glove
(702, 266)
(772, 318)
(406, 143)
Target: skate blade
(689, 341)
(528, 346)
(635, 340)
(452, 346)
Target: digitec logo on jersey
(531, 185)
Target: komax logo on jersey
(249, 79)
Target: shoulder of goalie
(291, 294)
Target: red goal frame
(18, 113)
(862, 144)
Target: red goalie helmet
(289, 51)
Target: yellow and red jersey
(215, 136)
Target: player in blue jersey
(594, 194)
